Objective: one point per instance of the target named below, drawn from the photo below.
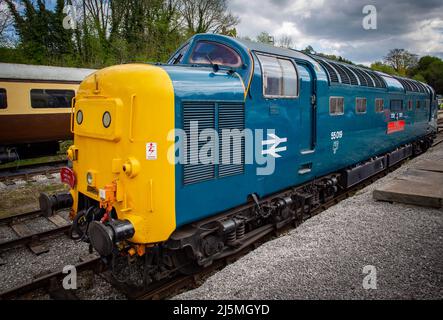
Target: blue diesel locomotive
(260, 137)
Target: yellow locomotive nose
(122, 119)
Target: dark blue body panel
(308, 126)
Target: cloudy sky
(336, 26)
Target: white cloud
(335, 26)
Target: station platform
(397, 245)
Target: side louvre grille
(231, 118)
(202, 114)
(228, 118)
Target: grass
(25, 198)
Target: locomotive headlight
(107, 119)
(79, 117)
(90, 179)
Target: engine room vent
(202, 114)
(231, 120)
(228, 118)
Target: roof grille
(379, 82)
(332, 74)
(352, 76)
(344, 77)
(411, 85)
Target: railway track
(168, 288)
(26, 172)
(51, 283)
(25, 235)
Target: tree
(380, 66)
(309, 50)
(202, 16)
(265, 37)
(41, 32)
(401, 60)
(5, 21)
(286, 41)
(430, 70)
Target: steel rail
(50, 280)
(31, 170)
(28, 240)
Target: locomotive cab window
(3, 99)
(51, 99)
(336, 106)
(207, 52)
(410, 105)
(396, 105)
(361, 105)
(179, 56)
(280, 77)
(379, 105)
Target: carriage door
(308, 108)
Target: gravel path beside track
(324, 258)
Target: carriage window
(410, 105)
(361, 105)
(178, 57)
(418, 104)
(337, 106)
(396, 105)
(51, 99)
(3, 99)
(379, 105)
(207, 52)
(280, 78)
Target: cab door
(308, 108)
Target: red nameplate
(396, 126)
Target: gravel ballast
(326, 256)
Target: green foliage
(380, 66)
(401, 60)
(265, 38)
(111, 31)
